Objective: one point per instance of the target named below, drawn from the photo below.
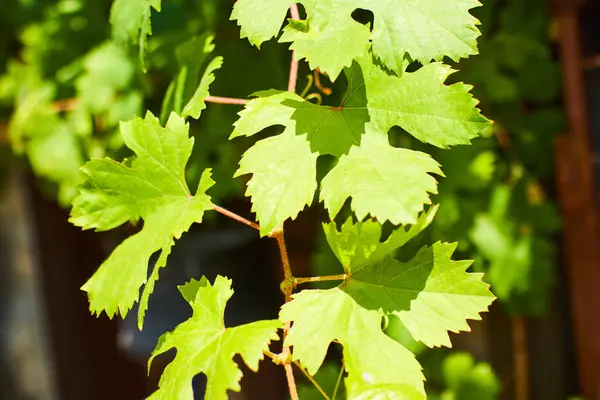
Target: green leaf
(189, 289)
(467, 380)
(57, 156)
(130, 19)
(371, 358)
(422, 105)
(196, 104)
(431, 294)
(151, 187)
(191, 57)
(284, 178)
(386, 182)
(205, 345)
(419, 291)
(358, 243)
(260, 20)
(520, 257)
(330, 39)
(418, 102)
(330, 130)
(107, 70)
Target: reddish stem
(64, 105)
(235, 217)
(225, 100)
(293, 73)
(295, 14)
(288, 278)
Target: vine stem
(288, 280)
(285, 262)
(225, 100)
(294, 12)
(235, 217)
(289, 287)
(312, 380)
(70, 104)
(64, 105)
(275, 359)
(300, 281)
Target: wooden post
(577, 197)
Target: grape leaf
(514, 243)
(431, 294)
(418, 102)
(330, 130)
(468, 380)
(284, 178)
(421, 104)
(260, 20)
(57, 156)
(196, 104)
(370, 357)
(330, 38)
(205, 345)
(130, 19)
(386, 182)
(418, 291)
(108, 70)
(191, 57)
(508, 251)
(358, 243)
(152, 187)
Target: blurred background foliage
(67, 78)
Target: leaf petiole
(300, 281)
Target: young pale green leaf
(330, 130)
(418, 102)
(284, 178)
(153, 188)
(431, 294)
(268, 109)
(130, 19)
(421, 30)
(196, 104)
(386, 182)
(328, 40)
(422, 105)
(205, 345)
(371, 358)
(358, 243)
